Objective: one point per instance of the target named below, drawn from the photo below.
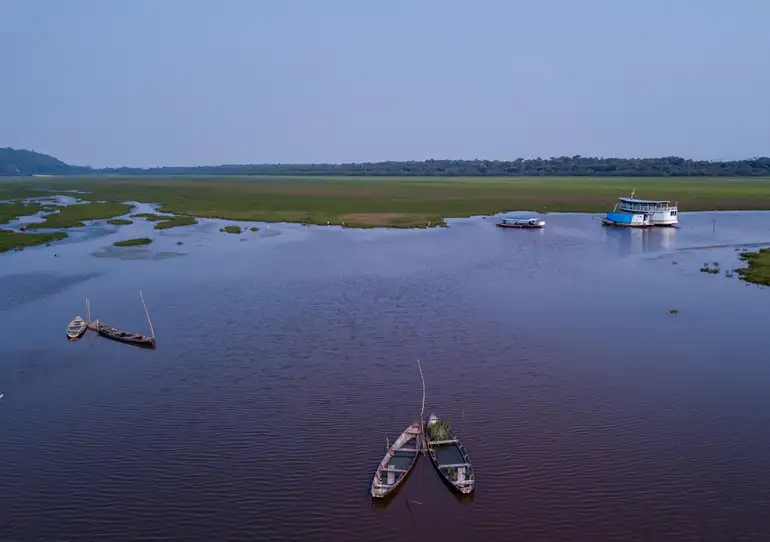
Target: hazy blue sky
(185, 82)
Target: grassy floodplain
(396, 201)
(11, 240)
(73, 216)
(119, 222)
(133, 242)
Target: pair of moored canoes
(78, 326)
(446, 452)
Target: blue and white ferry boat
(642, 213)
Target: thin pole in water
(422, 409)
(147, 313)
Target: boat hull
(626, 220)
(114, 334)
(464, 484)
(522, 226)
(76, 329)
(397, 463)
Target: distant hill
(21, 162)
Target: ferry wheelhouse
(633, 212)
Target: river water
(286, 357)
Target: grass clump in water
(758, 270)
(11, 240)
(119, 222)
(175, 222)
(152, 217)
(231, 229)
(254, 228)
(12, 211)
(133, 242)
(73, 216)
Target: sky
(204, 82)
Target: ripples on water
(284, 363)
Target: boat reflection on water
(629, 241)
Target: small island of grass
(758, 270)
(73, 216)
(175, 222)
(11, 240)
(231, 229)
(254, 228)
(119, 222)
(152, 217)
(133, 242)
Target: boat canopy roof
(646, 201)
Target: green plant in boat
(440, 430)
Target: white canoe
(76, 328)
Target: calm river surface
(287, 357)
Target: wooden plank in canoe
(454, 466)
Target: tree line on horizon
(15, 162)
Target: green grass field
(394, 201)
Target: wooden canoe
(398, 461)
(76, 328)
(126, 337)
(450, 458)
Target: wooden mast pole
(147, 313)
(422, 410)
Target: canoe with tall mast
(126, 337)
(401, 456)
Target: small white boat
(519, 222)
(76, 328)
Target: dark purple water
(287, 359)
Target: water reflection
(286, 361)
(630, 241)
